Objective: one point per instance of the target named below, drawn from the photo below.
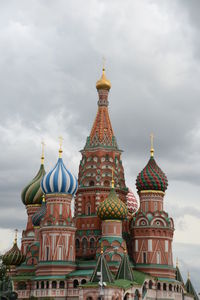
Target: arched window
(47, 285)
(37, 285)
(88, 209)
(21, 285)
(83, 281)
(61, 285)
(91, 183)
(91, 243)
(54, 284)
(106, 183)
(177, 289)
(144, 258)
(84, 244)
(164, 287)
(75, 283)
(42, 284)
(150, 284)
(89, 298)
(170, 287)
(158, 286)
(137, 294)
(77, 244)
(144, 290)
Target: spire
(15, 240)
(102, 271)
(125, 272)
(178, 273)
(190, 289)
(152, 148)
(60, 149)
(177, 262)
(42, 156)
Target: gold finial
(104, 63)
(152, 149)
(101, 248)
(112, 182)
(188, 275)
(60, 150)
(15, 240)
(43, 198)
(125, 251)
(177, 262)
(42, 157)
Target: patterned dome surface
(32, 193)
(59, 180)
(39, 214)
(14, 256)
(112, 208)
(152, 177)
(132, 203)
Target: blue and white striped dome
(59, 180)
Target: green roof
(140, 277)
(49, 277)
(190, 289)
(81, 273)
(125, 272)
(102, 266)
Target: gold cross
(16, 231)
(152, 149)
(42, 157)
(60, 142)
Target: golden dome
(103, 82)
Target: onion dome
(103, 83)
(14, 256)
(132, 203)
(39, 214)
(151, 177)
(32, 193)
(59, 179)
(112, 208)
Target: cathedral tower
(152, 228)
(99, 156)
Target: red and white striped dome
(132, 203)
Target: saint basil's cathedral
(110, 249)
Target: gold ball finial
(15, 240)
(60, 149)
(152, 148)
(112, 182)
(101, 249)
(43, 198)
(42, 156)
(188, 275)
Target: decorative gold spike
(188, 275)
(177, 262)
(112, 182)
(104, 62)
(61, 143)
(152, 148)
(43, 198)
(42, 157)
(101, 248)
(15, 240)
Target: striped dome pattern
(151, 178)
(13, 257)
(32, 193)
(132, 203)
(59, 180)
(112, 208)
(39, 214)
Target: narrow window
(60, 253)
(51, 209)
(166, 246)
(136, 245)
(144, 258)
(158, 257)
(155, 206)
(150, 245)
(60, 209)
(47, 252)
(146, 206)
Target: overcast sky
(50, 58)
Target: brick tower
(152, 228)
(99, 156)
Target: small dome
(59, 180)
(39, 214)
(112, 208)
(151, 178)
(103, 83)
(132, 203)
(14, 256)
(32, 193)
